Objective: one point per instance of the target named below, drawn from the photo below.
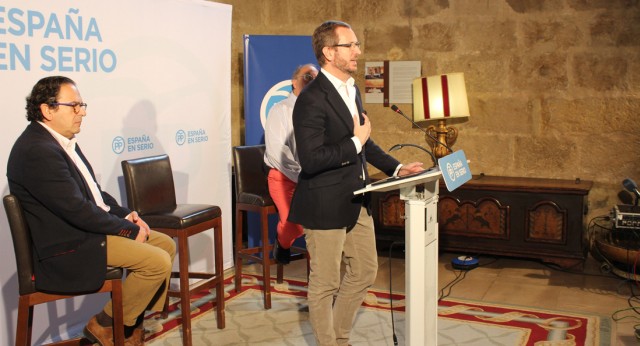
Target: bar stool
(252, 195)
(30, 296)
(151, 192)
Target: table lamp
(440, 98)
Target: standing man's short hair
(325, 36)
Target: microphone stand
(400, 146)
(397, 110)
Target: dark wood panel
(522, 217)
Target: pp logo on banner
(277, 93)
(455, 169)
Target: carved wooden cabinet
(520, 217)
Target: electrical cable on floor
(460, 275)
(633, 311)
(393, 325)
(558, 268)
(494, 260)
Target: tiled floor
(526, 283)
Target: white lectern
(420, 193)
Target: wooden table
(520, 217)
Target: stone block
(575, 117)
(600, 72)
(539, 72)
(546, 156)
(491, 157)
(482, 72)
(533, 6)
(378, 41)
(513, 116)
(588, 5)
(479, 9)
(616, 28)
(549, 36)
(436, 37)
(487, 35)
(375, 12)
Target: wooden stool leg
(280, 277)
(25, 321)
(165, 309)
(117, 312)
(185, 295)
(266, 259)
(238, 273)
(308, 265)
(217, 249)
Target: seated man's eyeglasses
(76, 105)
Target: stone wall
(554, 85)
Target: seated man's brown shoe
(98, 334)
(136, 339)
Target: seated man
(281, 156)
(78, 229)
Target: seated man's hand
(142, 236)
(145, 231)
(413, 167)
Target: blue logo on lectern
(455, 169)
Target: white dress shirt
(347, 91)
(280, 142)
(69, 146)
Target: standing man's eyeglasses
(351, 45)
(76, 105)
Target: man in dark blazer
(332, 136)
(78, 229)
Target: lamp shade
(440, 97)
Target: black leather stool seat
(253, 199)
(183, 216)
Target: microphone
(400, 146)
(397, 110)
(632, 187)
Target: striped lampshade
(440, 97)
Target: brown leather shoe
(97, 333)
(136, 339)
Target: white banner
(156, 77)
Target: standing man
(282, 157)
(78, 229)
(332, 136)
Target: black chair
(151, 192)
(29, 296)
(252, 195)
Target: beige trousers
(332, 321)
(148, 266)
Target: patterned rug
(460, 322)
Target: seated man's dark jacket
(67, 227)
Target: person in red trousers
(280, 155)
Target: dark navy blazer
(331, 168)
(67, 227)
